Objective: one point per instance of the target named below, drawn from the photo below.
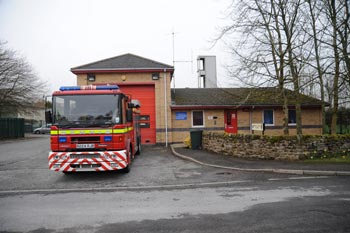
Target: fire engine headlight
(57, 157)
(107, 138)
(62, 139)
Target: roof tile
(268, 96)
(123, 62)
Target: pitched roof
(269, 96)
(125, 62)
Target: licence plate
(80, 146)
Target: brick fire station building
(167, 115)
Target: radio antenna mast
(182, 61)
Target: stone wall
(276, 147)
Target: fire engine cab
(94, 128)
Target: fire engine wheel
(128, 168)
(138, 152)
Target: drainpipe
(165, 110)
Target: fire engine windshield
(86, 110)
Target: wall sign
(181, 116)
(257, 126)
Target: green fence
(11, 128)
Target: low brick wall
(276, 147)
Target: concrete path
(206, 158)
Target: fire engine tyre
(128, 168)
(138, 152)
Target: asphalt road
(162, 194)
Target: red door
(231, 121)
(147, 119)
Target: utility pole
(179, 61)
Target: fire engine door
(231, 121)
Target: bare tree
(260, 50)
(343, 31)
(20, 87)
(316, 34)
(337, 14)
(292, 23)
(301, 45)
(329, 20)
(275, 43)
(332, 11)
(271, 51)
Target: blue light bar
(89, 87)
(107, 87)
(70, 88)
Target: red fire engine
(94, 128)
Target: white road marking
(299, 178)
(126, 188)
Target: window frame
(273, 117)
(289, 123)
(203, 116)
(68, 103)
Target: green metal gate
(11, 128)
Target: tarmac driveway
(162, 193)
(24, 166)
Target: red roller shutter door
(146, 95)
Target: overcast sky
(56, 35)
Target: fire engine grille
(85, 165)
(84, 156)
(77, 140)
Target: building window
(292, 116)
(201, 81)
(268, 117)
(201, 64)
(155, 76)
(91, 77)
(197, 118)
